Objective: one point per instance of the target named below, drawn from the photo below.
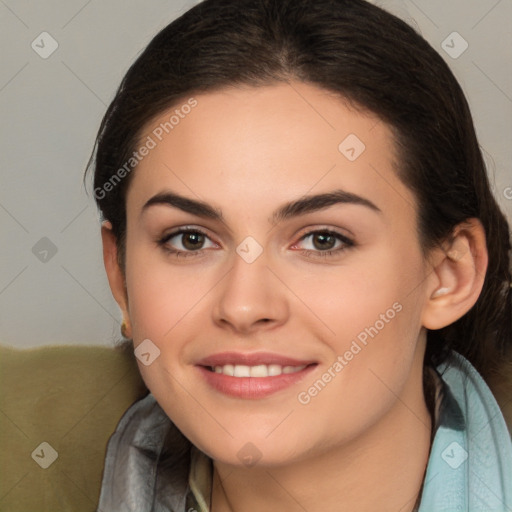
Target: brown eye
(324, 244)
(323, 241)
(186, 242)
(192, 241)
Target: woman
(300, 233)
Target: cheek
(368, 370)
(160, 294)
(373, 311)
(167, 306)
(350, 299)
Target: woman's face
(301, 273)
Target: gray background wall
(52, 284)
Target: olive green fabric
(72, 398)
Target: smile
(252, 375)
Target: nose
(250, 298)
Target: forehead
(259, 146)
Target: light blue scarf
(470, 464)
(469, 469)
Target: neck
(382, 469)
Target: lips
(252, 376)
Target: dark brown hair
(375, 61)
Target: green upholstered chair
(70, 397)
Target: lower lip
(253, 387)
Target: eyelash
(347, 243)
(177, 253)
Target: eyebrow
(302, 206)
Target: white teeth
(242, 371)
(227, 369)
(274, 369)
(261, 370)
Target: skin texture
(362, 442)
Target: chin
(252, 450)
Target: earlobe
(115, 275)
(457, 277)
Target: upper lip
(252, 359)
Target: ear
(458, 275)
(115, 275)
